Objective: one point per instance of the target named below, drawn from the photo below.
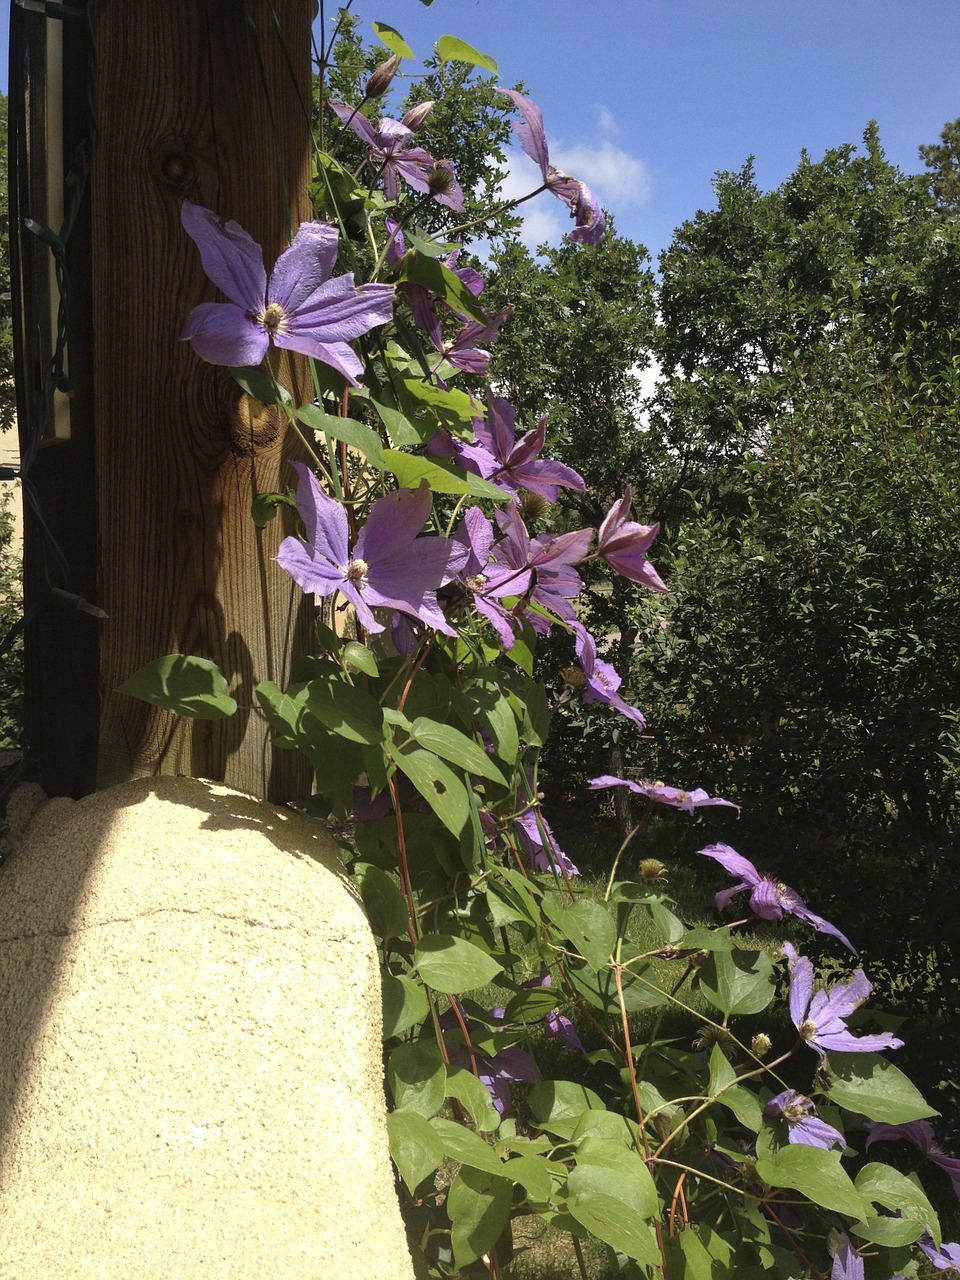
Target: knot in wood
(253, 426)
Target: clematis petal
(309, 570)
(339, 311)
(847, 1263)
(324, 519)
(223, 333)
(303, 267)
(338, 355)
(733, 862)
(530, 131)
(231, 258)
(357, 123)
(393, 523)
(765, 900)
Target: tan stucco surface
(190, 1075)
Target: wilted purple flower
(494, 1070)
(602, 680)
(556, 1024)
(946, 1258)
(462, 350)
(583, 204)
(500, 459)
(920, 1133)
(662, 794)
(769, 899)
(541, 844)
(804, 1126)
(820, 1017)
(299, 309)
(390, 568)
(624, 544)
(390, 144)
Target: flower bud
(653, 869)
(761, 1045)
(415, 117)
(381, 79)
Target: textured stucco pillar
(190, 1073)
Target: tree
(807, 660)
(944, 162)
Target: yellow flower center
(357, 570)
(272, 318)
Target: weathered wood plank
(180, 452)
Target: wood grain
(184, 113)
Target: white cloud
(619, 179)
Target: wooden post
(200, 100)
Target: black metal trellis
(54, 383)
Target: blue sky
(645, 100)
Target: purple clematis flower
(624, 544)
(390, 568)
(920, 1133)
(390, 144)
(583, 204)
(769, 899)
(946, 1258)
(541, 846)
(688, 801)
(602, 680)
(462, 350)
(300, 308)
(804, 1126)
(510, 465)
(820, 1017)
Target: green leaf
(393, 40)
(872, 1085)
(416, 1149)
(400, 429)
(450, 49)
(610, 1192)
(466, 1146)
(260, 386)
(587, 924)
(264, 507)
(359, 657)
(360, 437)
(883, 1185)
(385, 905)
(479, 1206)
(453, 407)
(417, 1078)
(440, 787)
(475, 1097)
(738, 981)
(536, 1174)
(346, 710)
(404, 1004)
(492, 708)
(184, 686)
(453, 965)
(436, 276)
(440, 475)
(817, 1175)
(283, 711)
(450, 744)
(558, 1105)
